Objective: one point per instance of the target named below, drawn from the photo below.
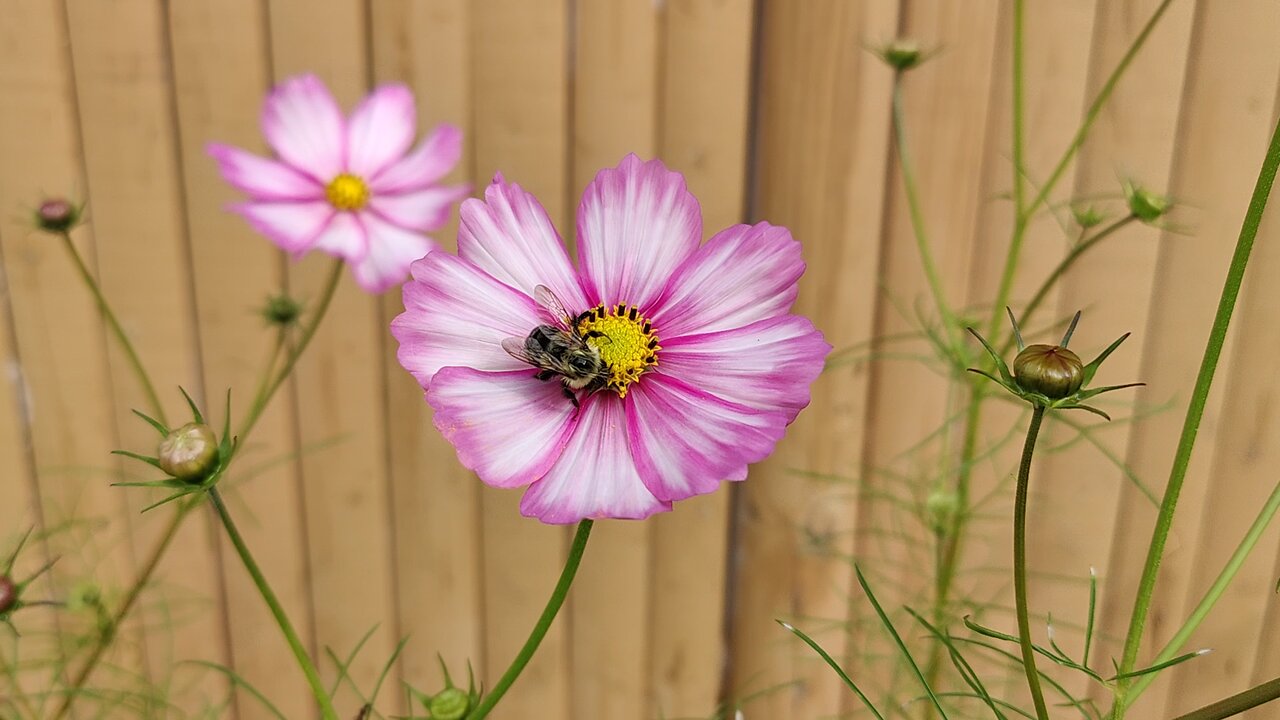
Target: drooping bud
(281, 310)
(57, 215)
(1144, 204)
(1051, 370)
(189, 453)
(8, 594)
(902, 54)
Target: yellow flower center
(347, 192)
(626, 343)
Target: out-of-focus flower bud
(57, 215)
(8, 594)
(1051, 370)
(281, 310)
(1144, 204)
(450, 704)
(189, 453)
(941, 505)
(901, 54)
(1087, 216)
(84, 596)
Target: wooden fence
(774, 109)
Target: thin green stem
(264, 398)
(540, 628)
(1095, 109)
(1019, 105)
(917, 213)
(303, 659)
(1238, 703)
(19, 702)
(1065, 264)
(108, 634)
(1020, 565)
(1215, 591)
(1195, 410)
(131, 354)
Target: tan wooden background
(774, 110)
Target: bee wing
(552, 308)
(516, 349)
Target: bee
(561, 350)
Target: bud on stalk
(189, 453)
(1051, 370)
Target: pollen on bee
(625, 340)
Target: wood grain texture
(220, 73)
(436, 503)
(521, 119)
(819, 161)
(121, 66)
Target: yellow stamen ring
(626, 344)
(347, 192)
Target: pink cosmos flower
(703, 365)
(346, 186)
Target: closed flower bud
(1051, 370)
(941, 506)
(8, 594)
(1144, 204)
(901, 54)
(57, 215)
(450, 704)
(1087, 216)
(281, 310)
(189, 453)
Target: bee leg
(544, 375)
(594, 334)
(573, 398)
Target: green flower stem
(1020, 565)
(1236, 704)
(917, 213)
(108, 634)
(540, 629)
(264, 397)
(1053, 277)
(1215, 591)
(277, 611)
(135, 362)
(1195, 411)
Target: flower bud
(189, 453)
(84, 596)
(902, 54)
(941, 506)
(57, 215)
(1144, 204)
(281, 310)
(450, 704)
(8, 594)
(1051, 370)
(1087, 216)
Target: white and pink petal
(424, 210)
(263, 179)
(392, 249)
(595, 476)
(743, 274)
(380, 130)
(508, 427)
(685, 441)
(636, 224)
(304, 125)
(458, 315)
(343, 237)
(292, 226)
(767, 365)
(510, 236)
(430, 161)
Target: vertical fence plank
(910, 399)
(63, 385)
(822, 119)
(436, 502)
(521, 128)
(221, 75)
(615, 102)
(705, 113)
(1079, 487)
(339, 387)
(1245, 457)
(121, 71)
(1225, 120)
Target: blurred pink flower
(346, 186)
(704, 365)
